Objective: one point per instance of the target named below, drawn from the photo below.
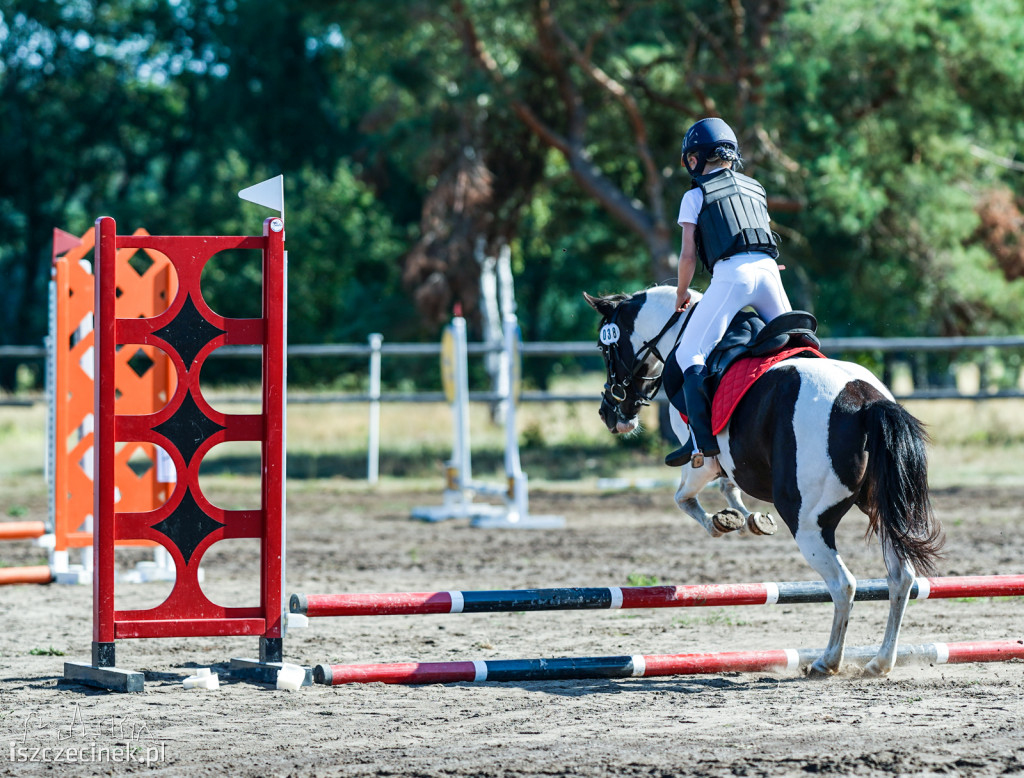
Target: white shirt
(690, 206)
(693, 201)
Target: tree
(887, 137)
(76, 129)
(887, 110)
(157, 113)
(614, 93)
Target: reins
(615, 389)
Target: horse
(814, 437)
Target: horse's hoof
(728, 520)
(762, 524)
(819, 670)
(877, 668)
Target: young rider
(726, 225)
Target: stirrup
(698, 458)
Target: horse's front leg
(695, 479)
(756, 523)
(732, 495)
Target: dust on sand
(920, 721)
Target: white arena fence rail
(377, 349)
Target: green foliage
(882, 121)
(882, 106)
(51, 651)
(347, 251)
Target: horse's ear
(603, 305)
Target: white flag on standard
(269, 193)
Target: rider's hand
(682, 299)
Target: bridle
(616, 390)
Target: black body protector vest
(734, 218)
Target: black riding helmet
(707, 138)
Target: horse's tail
(898, 505)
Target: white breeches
(745, 279)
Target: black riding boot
(680, 456)
(698, 405)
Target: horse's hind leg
(695, 479)
(901, 581)
(822, 555)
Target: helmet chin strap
(702, 158)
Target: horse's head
(631, 328)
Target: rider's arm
(687, 265)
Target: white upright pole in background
(513, 465)
(517, 498)
(462, 455)
(373, 455)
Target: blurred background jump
(461, 489)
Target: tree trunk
(664, 253)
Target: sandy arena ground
(948, 720)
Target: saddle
(748, 336)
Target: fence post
(373, 453)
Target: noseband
(616, 391)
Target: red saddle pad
(740, 376)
